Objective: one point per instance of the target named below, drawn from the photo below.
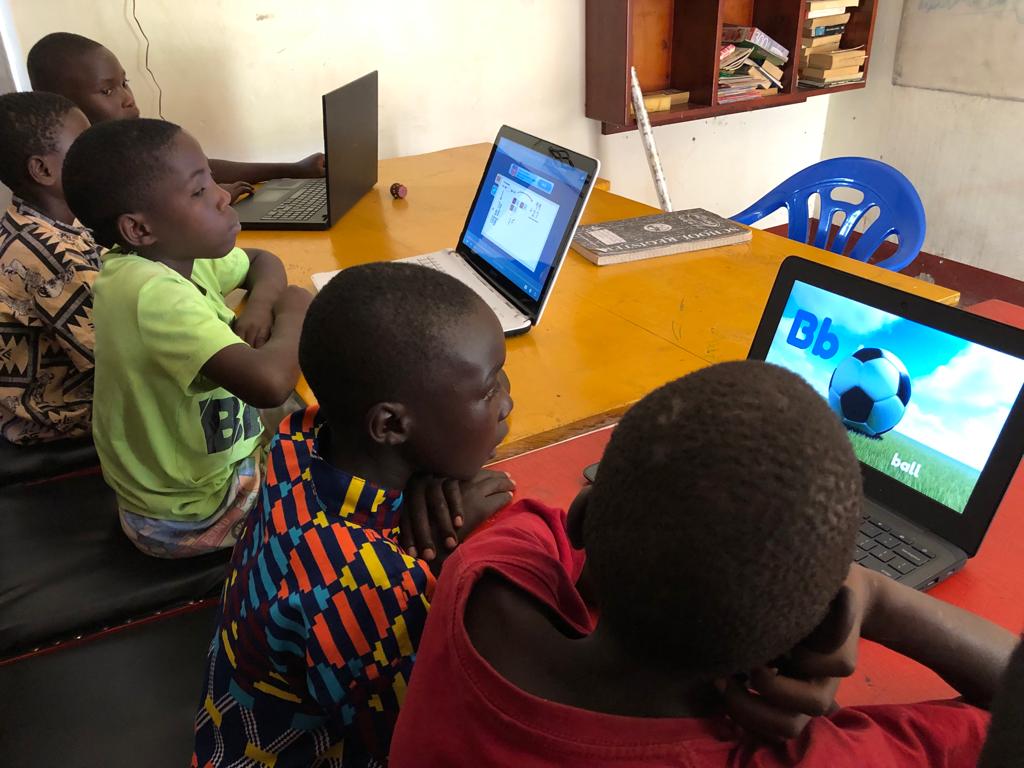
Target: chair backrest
(885, 188)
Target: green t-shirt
(168, 438)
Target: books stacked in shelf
(749, 64)
(663, 101)
(823, 63)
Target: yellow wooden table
(610, 334)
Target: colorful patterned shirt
(319, 621)
(47, 270)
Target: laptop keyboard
(507, 316)
(309, 202)
(884, 549)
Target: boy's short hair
(50, 57)
(721, 524)
(30, 124)
(376, 330)
(110, 170)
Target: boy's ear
(135, 230)
(575, 517)
(41, 172)
(388, 423)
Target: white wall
(245, 77)
(963, 153)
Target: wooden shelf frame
(675, 44)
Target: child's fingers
(419, 522)
(440, 515)
(453, 494)
(810, 697)
(759, 716)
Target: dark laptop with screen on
(350, 152)
(519, 227)
(932, 398)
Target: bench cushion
(122, 698)
(66, 567)
(26, 463)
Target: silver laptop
(519, 227)
(933, 401)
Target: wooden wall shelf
(675, 44)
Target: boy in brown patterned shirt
(48, 263)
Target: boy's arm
(968, 652)
(265, 377)
(264, 281)
(227, 171)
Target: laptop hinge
(528, 314)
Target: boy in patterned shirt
(48, 263)
(322, 610)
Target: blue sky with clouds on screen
(961, 392)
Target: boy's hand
(778, 702)
(446, 510)
(254, 322)
(311, 167)
(238, 190)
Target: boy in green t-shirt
(178, 377)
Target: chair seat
(25, 463)
(122, 698)
(66, 567)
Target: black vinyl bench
(30, 463)
(67, 569)
(120, 699)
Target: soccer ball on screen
(870, 390)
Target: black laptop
(932, 398)
(350, 147)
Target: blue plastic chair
(884, 188)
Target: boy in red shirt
(718, 538)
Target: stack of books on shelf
(823, 63)
(749, 64)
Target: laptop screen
(920, 405)
(519, 222)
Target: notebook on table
(933, 401)
(519, 227)
(350, 157)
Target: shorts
(179, 538)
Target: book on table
(663, 234)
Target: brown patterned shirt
(47, 269)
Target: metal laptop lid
(524, 215)
(932, 396)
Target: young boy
(178, 378)
(322, 610)
(718, 537)
(91, 76)
(48, 263)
